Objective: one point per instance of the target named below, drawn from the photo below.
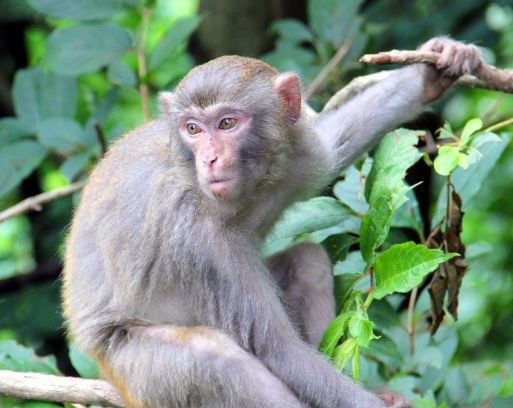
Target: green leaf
(83, 363)
(343, 353)
(447, 160)
(351, 190)
(408, 215)
(14, 356)
(333, 334)
(121, 74)
(309, 216)
(343, 285)
(507, 388)
(176, 35)
(337, 246)
(292, 31)
(78, 9)
(424, 402)
(38, 95)
(468, 182)
(73, 165)
(463, 160)
(402, 267)
(61, 134)
(86, 47)
(17, 161)
(361, 328)
(481, 138)
(12, 129)
(471, 127)
(385, 188)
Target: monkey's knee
(306, 264)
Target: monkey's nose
(210, 161)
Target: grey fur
(149, 255)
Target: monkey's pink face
(215, 134)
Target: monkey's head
(233, 120)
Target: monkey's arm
(354, 120)
(261, 326)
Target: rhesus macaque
(164, 283)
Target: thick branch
(36, 202)
(45, 387)
(484, 76)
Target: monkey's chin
(223, 189)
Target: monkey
(163, 280)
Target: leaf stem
(144, 92)
(411, 323)
(499, 125)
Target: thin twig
(45, 387)
(484, 76)
(332, 63)
(142, 71)
(499, 125)
(411, 323)
(36, 202)
(101, 139)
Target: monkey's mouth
(222, 187)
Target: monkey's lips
(221, 187)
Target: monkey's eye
(227, 123)
(192, 128)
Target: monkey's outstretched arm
(354, 120)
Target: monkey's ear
(287, 86)
(165, 101)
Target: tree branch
(484, 76)
(45, 387)
(36, 202)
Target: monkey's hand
(456, 60)
(393, 400)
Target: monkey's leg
(171, 366)
(304, 273)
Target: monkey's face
(215, 135)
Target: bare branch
(35, 203)
(101, 139)
(45, 387)
(332, 63)
(484, 76)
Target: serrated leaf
(61, 134)
(83, 363)
(14, 356)
(176, 35)
(86, 47)
(447, 160)
(121, 74)
(78, 10)
(292, 31)
(17, 161)
(471, 127)
(343, 284)
(38, 95)
(402, 267)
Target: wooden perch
(484, 76)
(45, 387)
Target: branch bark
(45, 387)
(484, 76)
(36, 202)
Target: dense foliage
(419, 237)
